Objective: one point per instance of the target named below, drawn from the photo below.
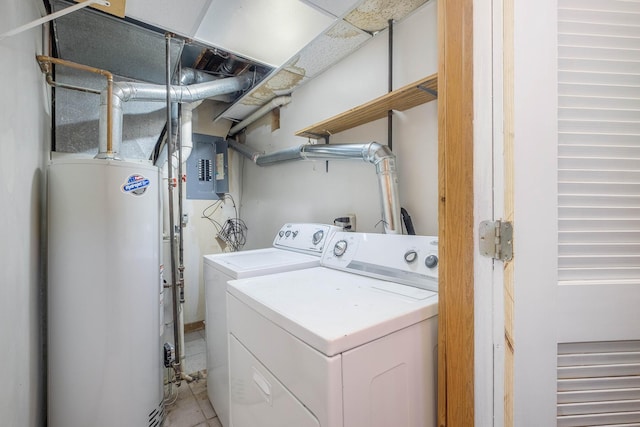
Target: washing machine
(351, 343)
(295, 246)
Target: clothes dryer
(351, 343)
(295, 246)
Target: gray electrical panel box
(207, 168)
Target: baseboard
(195, 326)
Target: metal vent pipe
(130, 91)
(372, 152)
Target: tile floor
(192, 407)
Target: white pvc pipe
(274, 103)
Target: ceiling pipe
(111, 104)
(274, 103)
(372, 152)
(106, 137)
(188, 76)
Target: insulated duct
(130, 91)
(372, 152)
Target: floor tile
(191, 336)
(205, 405)
(194, 346)
(192, 407)
(195, 363)
(185, 412)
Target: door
(576, 198)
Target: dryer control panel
(411, 260)
(304, 237)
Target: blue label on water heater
(136, 185)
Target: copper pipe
(53, 83)
(46, 61)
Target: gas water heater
(104, 350)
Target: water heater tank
(104, 352)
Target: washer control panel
(411, 260)
(304, 237)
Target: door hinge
(496, 240)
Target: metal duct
(372, 152)
(189, 76)
(129, 91)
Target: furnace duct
(131, 91)
(372, 152)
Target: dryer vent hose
(407, 222)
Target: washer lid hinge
(496, 240)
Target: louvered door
(599, 212)
(578, 311)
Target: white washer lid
(259, 261)
(334, 311)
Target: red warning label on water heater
(136, 185)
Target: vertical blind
(599, 141)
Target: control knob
(410, 256)
(340, 248)
(431, 261)
(317, 237)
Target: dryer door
(258, 398)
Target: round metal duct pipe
(371, 152)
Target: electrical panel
(207, 168)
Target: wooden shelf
(406, 97)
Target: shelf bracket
(326, 163)
(429, 91)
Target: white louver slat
(599, 383)
(599, 140)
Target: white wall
(303, 191)
(24, 141)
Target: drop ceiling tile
(282, 82)
(327, 49)
(334, 7)
(374, 15)
(181, 17)
(270, 32)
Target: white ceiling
(270, 32)
(181, 17)
(297, 38)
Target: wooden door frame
(455, 214)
